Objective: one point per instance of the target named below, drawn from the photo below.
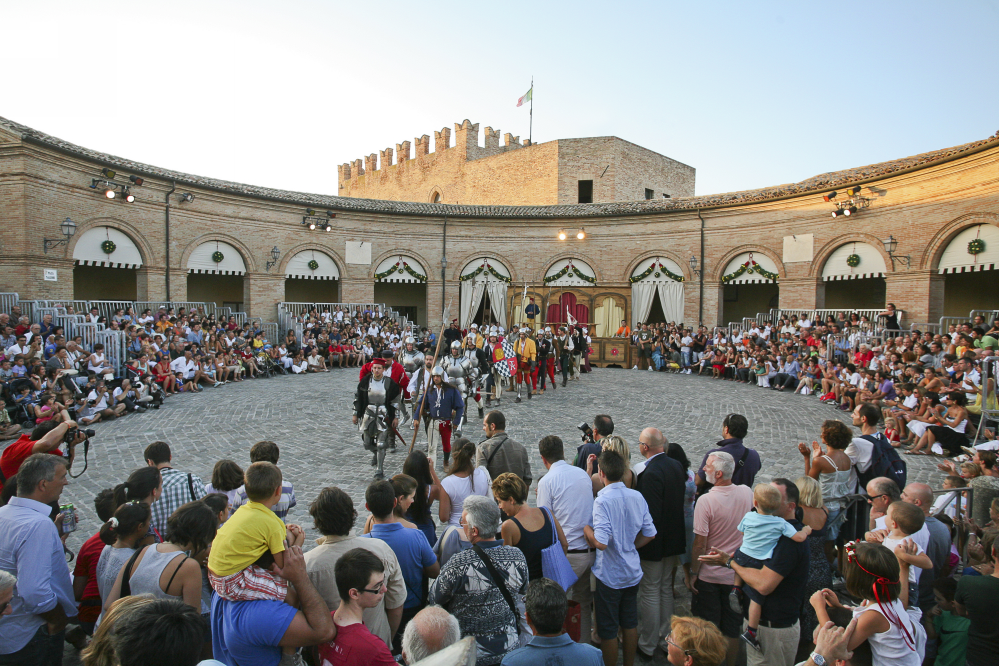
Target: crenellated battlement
(417, 153)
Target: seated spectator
(267, 451)
(546, 607)
(481, 608)
(360, 581)
(430, 631)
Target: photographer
(45, 438)
(603, 426)
(104, 402)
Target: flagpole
(530, 126)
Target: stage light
(327, 227)
(129, 197)
(849, 210)
(836, 213)
(136, 180)
(330, 214)
(109, 193)
(312, 224)
(829, 197)
(580, 234)
(108, 173)
(561, 234)
(187, 197)
(853, 191)
(310, 212)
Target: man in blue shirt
(621, 525)
(195, 335)
(747, 461)
(546, 608)
(30, 549)
(416, 559)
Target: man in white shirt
(103, 402)
(685, 342)
(188, 368)
(567, 491)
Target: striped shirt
(284, 505)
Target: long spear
(419, 414)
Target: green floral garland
(485, 267)
(399, 269)
(108, 247)
(578, 273)
(217, 257)
(658, 267)
(750, 267)
(313, 265)
(976, 246)
(853, 260)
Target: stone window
(586, 191)
(649, 194)
(435, 197)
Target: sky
(751, 94)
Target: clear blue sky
(750, 93)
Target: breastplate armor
(471, 357)
(376, 394)
(455, 367)
(412, 360)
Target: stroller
(265, 364)
(20, 413)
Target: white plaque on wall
(358, 252)
(50, 274)
(799, 247)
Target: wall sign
(50, 274)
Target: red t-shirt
(16, 453)
(355, 645)
(86, 566)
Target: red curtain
(582, 314)
(557, 311)
(553, 316)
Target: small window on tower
(436, 198)
(586, 191)
(649, 194)
(665, 196)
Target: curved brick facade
(923, 201)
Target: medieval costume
(374, 413)
(445, 407)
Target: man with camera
(45, 438)
(603, 426)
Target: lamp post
(693, 266)
(68, 228)
(275, 255)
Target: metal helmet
(410, 340)
(456, 345)
(438, 371)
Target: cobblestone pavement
(310, 419)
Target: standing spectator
(735, 427)
(975, 599)
(416, 560)
(937, 546)
(85, 577)
(832, 468)
(469, 590)
(694, 642)
(45, 438)
(946, 627)
(603, 426)
(662, 484)
(782, 581)
(360, 581)
(161, 633)
(567, 492)
(178, 487)
(7, 582)
(334, 516)
(498, 453)
(464, 479)
(545, 612)
(430, 631)
(266, 451)
(621, 525)
(31, 550)
(227, 479)
(529, 529)
(716, 520)
(120, 536)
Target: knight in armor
(418, 386)
(445, 407)
(396, 373)
(458, 369)
(526, 360)
(477, 373)
(374, 412)
(412, 360)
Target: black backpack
(885, 461)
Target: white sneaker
(650, 368)
(635, 368)
(217, 384)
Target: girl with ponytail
(122, 532)
(874, 574)
(143, 485)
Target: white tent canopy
(570, 278)
(201, 260)
(88, 250)
(763, 260)
(957, 259)
(298, 266)
(400, 274)
(872, 264)
(485, 283)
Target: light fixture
(330, 214)
(829, 197)
(850, 210)
(561, 234)
(108, 173)
(326, 226)
(129, 197)
(275, 255)
(109, 193)
(853, 191)
(136, 180)
(890, 246)
(580, 234)
(693, 266)
(312, 224)
(186, 197)
(837, 212)
(68, 228)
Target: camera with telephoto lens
(73, 434)
(587, 432)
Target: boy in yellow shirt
(239, 565)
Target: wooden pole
(418, 416)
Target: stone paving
(310, 419)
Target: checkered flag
(507, 367)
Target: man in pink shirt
(716, 521)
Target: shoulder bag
(554, 564)
(520, 625)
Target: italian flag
(526, 98)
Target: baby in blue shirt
(761, 530)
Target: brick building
(566, 171)
(220, 243)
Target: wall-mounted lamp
(186, 197)
(275, 255)
(693, 266)
(561, 234)
(580, 234)
(68, 228)
(890, 246)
